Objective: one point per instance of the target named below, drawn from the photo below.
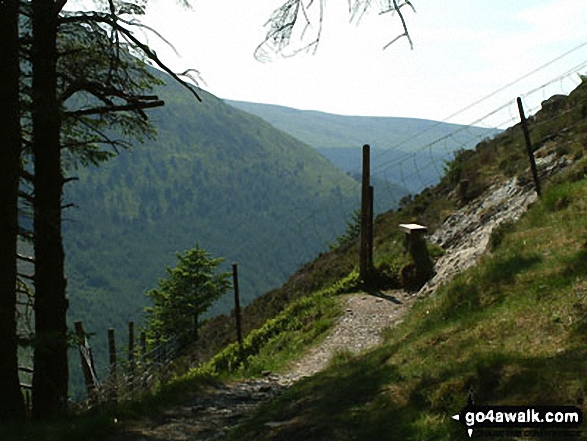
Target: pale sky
(463, 51)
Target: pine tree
(11, 399)
(188, 291)
(84, 81)
(50, 379)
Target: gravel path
(359, 328)
(216, 410)
(464, 236)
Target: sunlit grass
(511, 329)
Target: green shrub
(498, 234)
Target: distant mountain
(408, 152)
(215, 176)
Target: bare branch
(96, 17)
(27, 175)
(136, 106)
(397, 8)
(154, 31)
(26, 276)
(26, 196)
(26, 234)
(293, 18)
(25, 258)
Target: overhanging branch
(138, 106)
(96, 17)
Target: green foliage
(302, 314)
(216, 176)
(353, 230)
(188, 291)
(98, 75)
(512, 328)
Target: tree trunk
(196, 324)
(51, 371)
(11, 399)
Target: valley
(407, 153)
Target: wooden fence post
(237, 308)
(112, 351)
(131, 353)
(529, 146)
(113, 368)
(86, 359)
(366, 223)
(370, 230)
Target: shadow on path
(381, 295)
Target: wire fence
(128, 378)
(420, 160)
(421, 163)
(424, 161)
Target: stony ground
(464, 236)
(219, 408)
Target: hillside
(510, 328)
(339, 138)
(215, 176)
(560, 129)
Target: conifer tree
(188, 291)
(11, 399)
(74, 56)
(50, 379)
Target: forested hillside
(399, 145)
(216, 177)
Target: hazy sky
(463, 51)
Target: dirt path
(216, 410)
(464, 236)
(359, 328)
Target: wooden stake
(131, 350)
(112, 351)
(113, 370)
(370, 230)
(364, 257)
(85, 358)
(237, 308)
(529, 146)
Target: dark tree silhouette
(98, 70)
(11, 399)
(50, 379)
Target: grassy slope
(562, 130)
(513, 328)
